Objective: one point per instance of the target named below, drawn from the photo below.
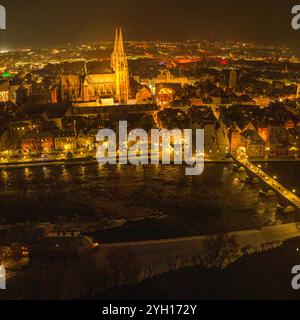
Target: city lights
(149, 150)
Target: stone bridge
(285, 196)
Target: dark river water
(217, 201)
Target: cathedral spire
(116, 40)
(119, 66)
(115, 52)
(85, 69)
(121, 43)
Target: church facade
(103, 88)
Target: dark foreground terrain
(260, 276)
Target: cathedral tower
(120, 66)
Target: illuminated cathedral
(100, 89)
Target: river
(215, 202)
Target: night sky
(41, 23)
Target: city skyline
(137, 164)
(268, 22)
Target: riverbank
(265, 275)
(47, 163)
(85, 161)
(116, 264)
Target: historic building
(120, 67)
(4, 92)
(247, 139)
(100, 89)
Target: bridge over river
(285, 196)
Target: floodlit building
(216, 142)
(96, 88)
